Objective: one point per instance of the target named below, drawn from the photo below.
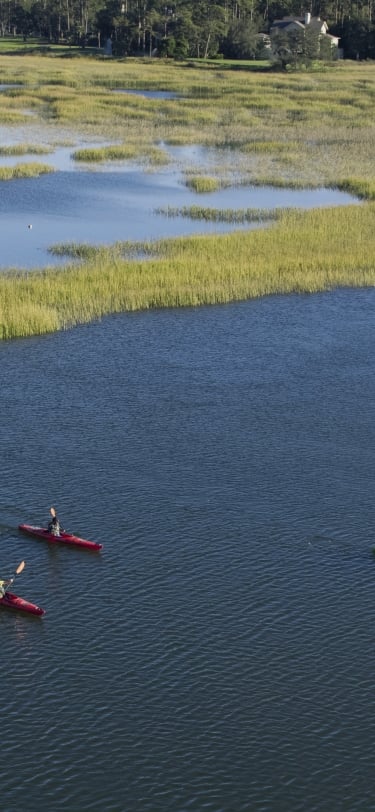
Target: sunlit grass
(364, 189)
(111, 153)
(258, 111)
(295, 131)
(24, 170)
(121, 152)
(25, 149)
(303, 252)
(202, 184)
(13, 117)
(27, 318)
(18, 101)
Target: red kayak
(64, 538)
(14, 602)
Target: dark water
(219, 653)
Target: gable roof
(286, 22)
(301, 22)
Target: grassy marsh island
(24, 170)
(202, 184)
(305, 130)
(222, 215)
(121, 152)
(302, 252)
(99, 154)
(24, 149)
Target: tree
(357, 39)
(241, 41)
(311, 45)
(287, 46)
(209, 19)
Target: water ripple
(217, 654)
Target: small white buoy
(29, 226)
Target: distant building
(307, 22)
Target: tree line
(184, 28)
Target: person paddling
(5, 583)
(54, 526)
(4, 586)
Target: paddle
(6, 584)
(19, 569)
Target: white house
(306, 22)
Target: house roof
(281, 24)
(315, 22)
(286, 22)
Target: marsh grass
(81, 251)
(35, 319)
(25, 149)
(364, 189)
(24, 170)
(157, 156)
(13, 117)
(273, 147)
(203, 184)
(241, 110)
(122, 152)
(223, 215)
(120, 249)
(303, 252)
(295, 131)
(111, 153)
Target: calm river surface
(218, 654)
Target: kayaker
(54, 526)
(4, 585)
